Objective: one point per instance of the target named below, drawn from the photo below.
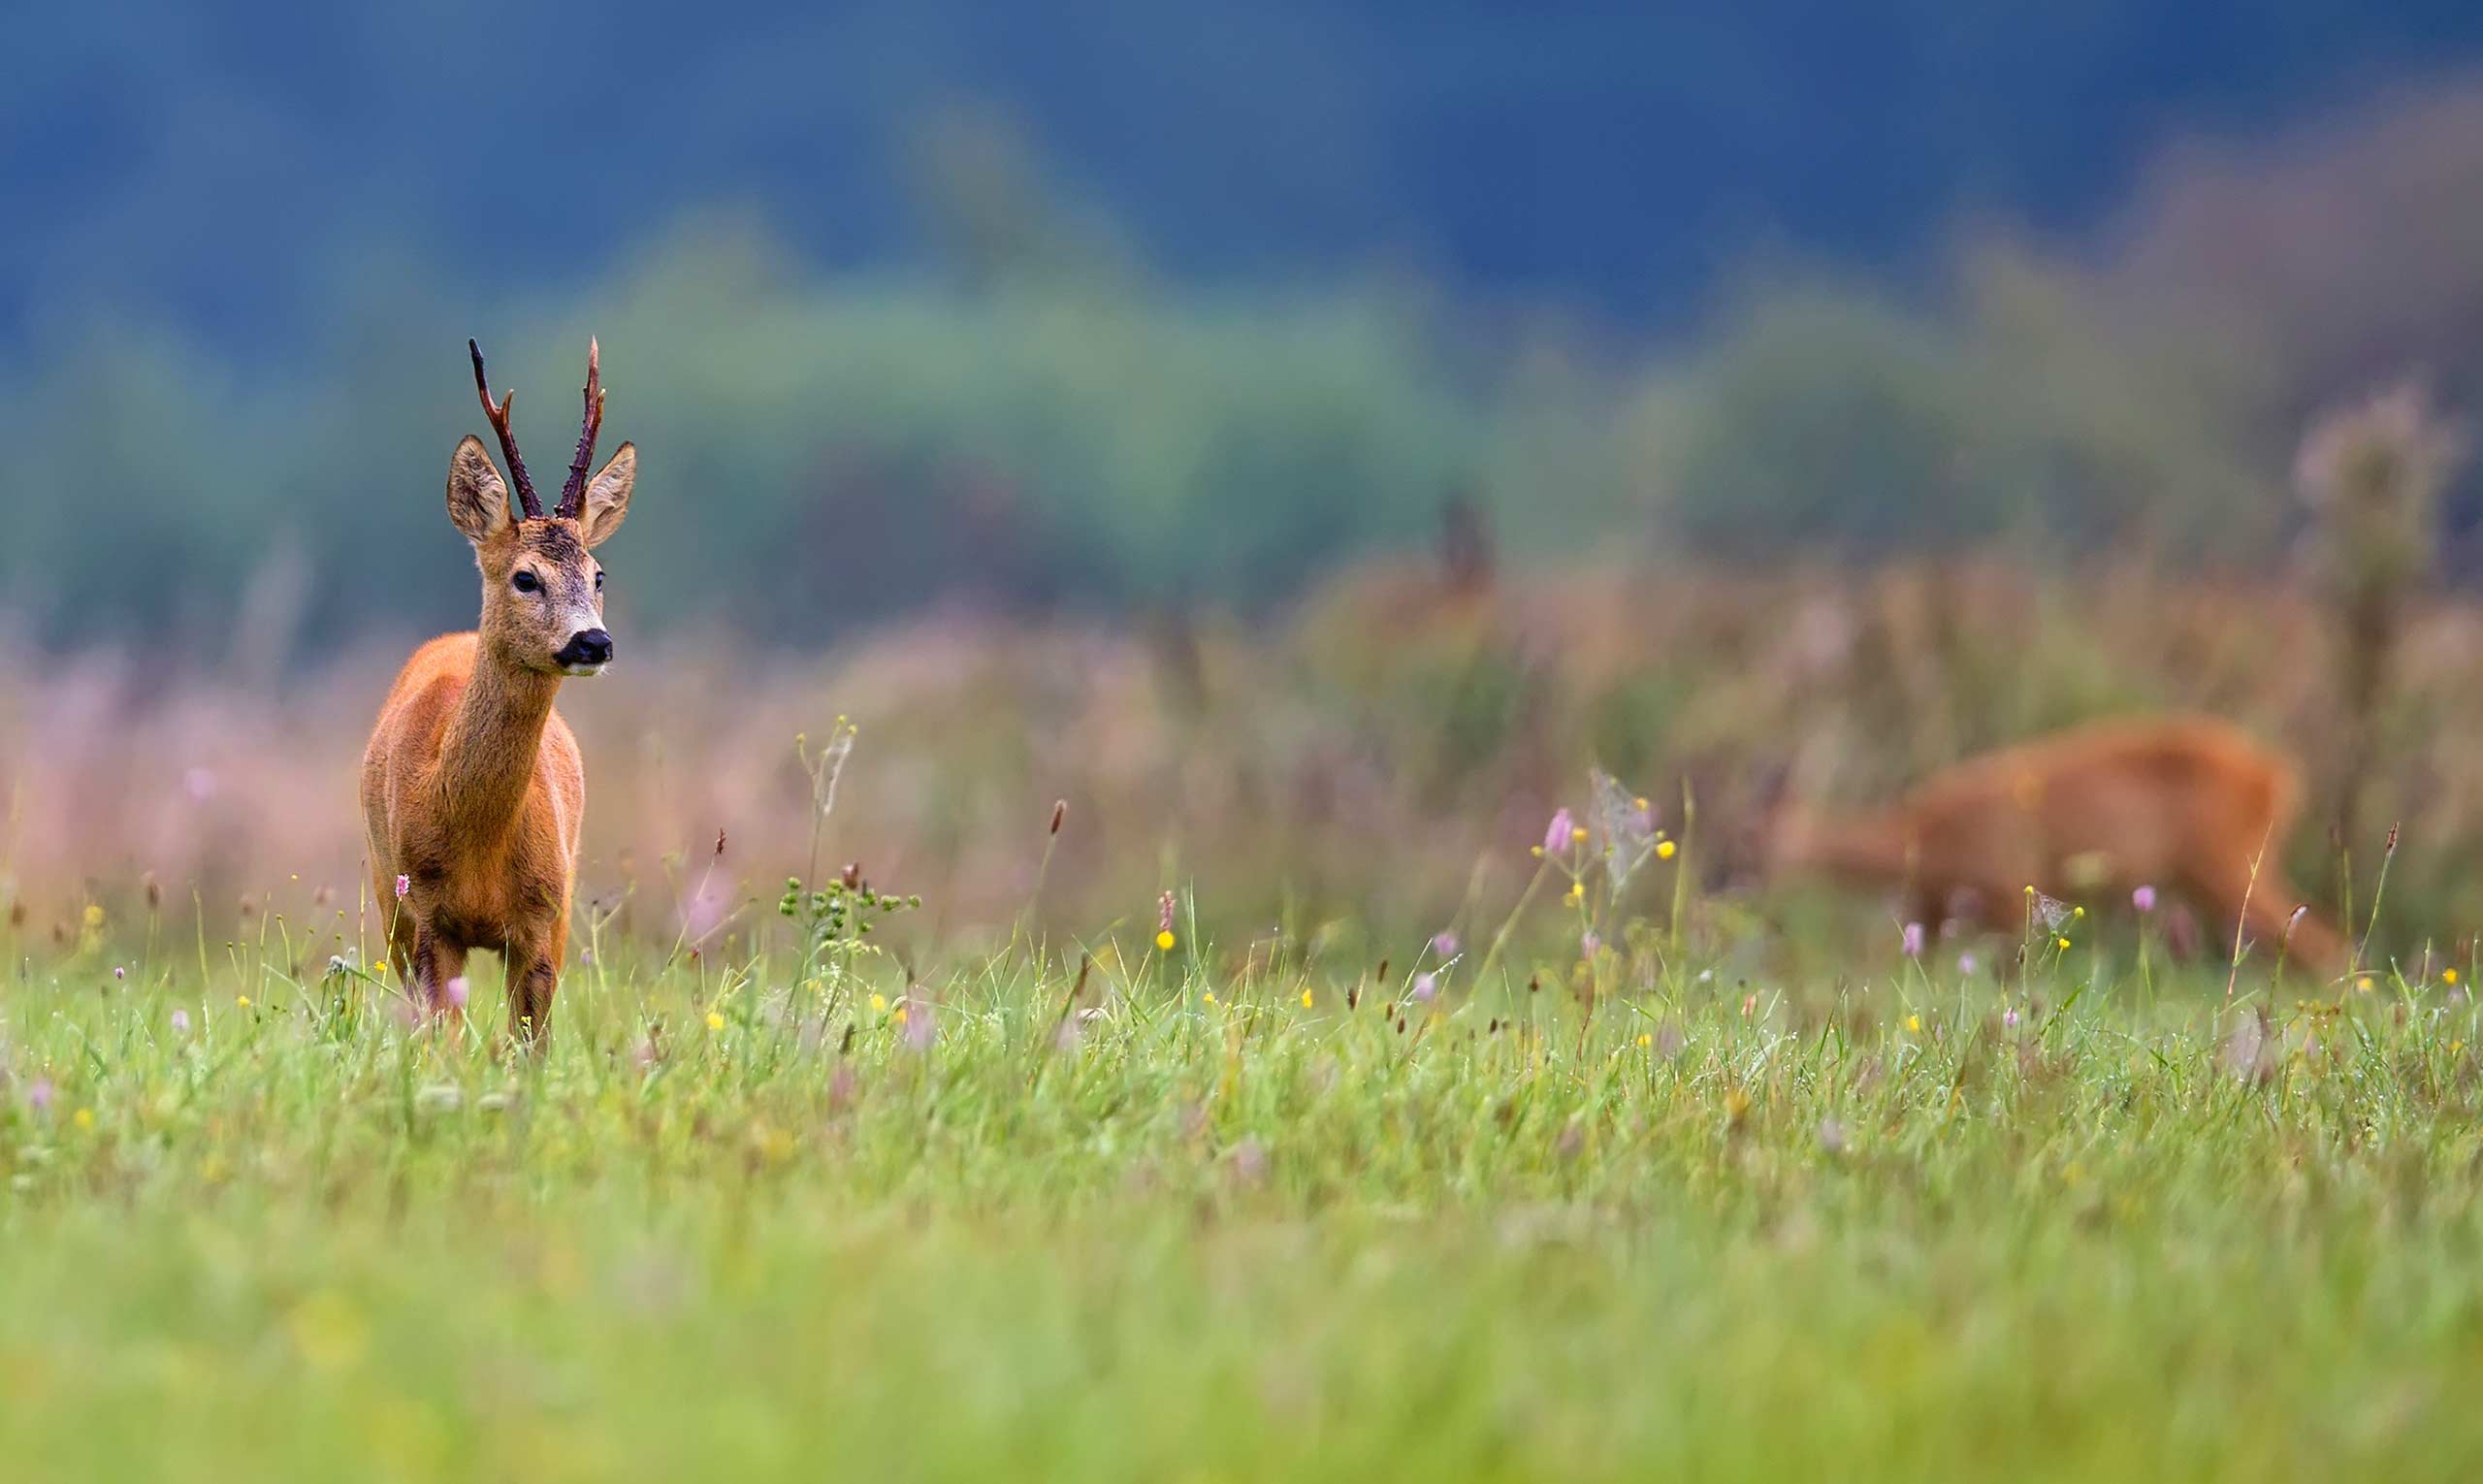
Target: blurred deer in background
(473, 791)
(2184, 805)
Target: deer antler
(574, 492)
(499, 414)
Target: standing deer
(2184, 804)
(473, 791)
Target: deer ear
(477, 500)
(607, 496)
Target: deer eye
(526, 582)
(598, 580)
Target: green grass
(1860, 1232)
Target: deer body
(2186, 805)
(472, 787)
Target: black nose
(593, 646)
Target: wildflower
(1665, 849)
(714, 1021)
(879, 1003)
(1426, 989)
(1208, 997)
(1913, 940)
(404, 884)
(1577, 892)
(39, 1094)
(2063, 941)
(2009, 1019)
(1306, 999)
(921, 1023)
(181, 1022)
(241, 1002)
(1646, 1038)
(1913, 1023)
(2144, 900)
(1578, 833)
(2448, 976)
(1966, 963)
(2363, 983)
(1639, 803)
(2078, 912)
(455, 990)
(1164, 940)
(84, 1117)
(1557, 833)
(900, 1016)
(94, 917)
(1445, 944)
(120, 972)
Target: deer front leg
(434, 962)
(533, 975)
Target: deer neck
(1873, 846)
(487, 761)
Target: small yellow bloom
(2063, 941)
(714, 1021)
(2448, 976)
(1664, 850)
(1165, 940)
(1306, 999)
(94, 915)
(1913, 1023)
(2456, 1046)
(2363, 983)
(2078, 912)
(879, 1003)
(1577, 832)
(899, 1017)
(242, 1000)
(2030, 889)
(1539, 850)
(1646, 1039)
(84, 1117)
(1639, 803)
(1209, 996)
(1577, 892)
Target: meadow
(1240, 1080)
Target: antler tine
(574, 490)
(499, 412)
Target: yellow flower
(2078, 912)
(1664, 850)
(2063, 941)
(2363, 983)
(2448, 976)
(1539, 850)
(1306, 999)
(879, 1003)
(1165, 940)
(94, 915)
(242, 1000)
(1577, 892)
(84, 1117)
(1577, 832)
(1209, 996)
(1913, 1023)
(714, 1021)
(1639, 803)
(1646, 1039)
(899, 1017)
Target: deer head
(542, 593)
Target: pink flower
(119, 972)
(1966, 964)
(1426, 989)
(181, 1022)
(2009, 1019)
(39, 1094)
(404, 884)
(2144, 900)
(1444, 943)
(1913, 940)
(455, 990)
(1556, 836)
(1590, 946)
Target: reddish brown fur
(2183, 804)
(473, 789)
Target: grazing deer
(2186, 805)
(471, 788)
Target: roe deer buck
(2184, 804)
(472, 787)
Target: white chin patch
(585, 671)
